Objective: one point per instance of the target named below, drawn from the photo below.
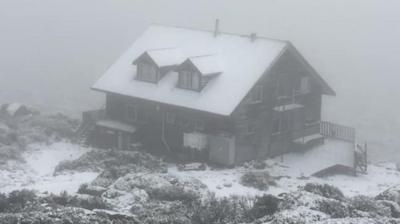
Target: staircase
(82, 134)
(361, 158)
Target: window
(147, 72)
(170, 118)
(131, 113)
(199, 125)
(305, 84)
(251, 129)
(189, 80)
(280, 125)
(256, 95)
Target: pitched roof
(207, 64)
(241, 60)
(166, 57)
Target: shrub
(93, 203)
(263, 206)
(90, 202)
(3, 202)
(173, 193)
(334, 208)
(258, 180)
(21, 197)
(367, 204)
(91, 190)
(217, 211)
(325, 190)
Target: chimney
(216, 29)
(253, 37)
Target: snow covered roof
(117, 125)
(207, 64)
(244, 62)
(241, 61)
(166, 57)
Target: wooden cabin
(225, 98)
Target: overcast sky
(51, 51)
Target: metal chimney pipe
(216, 29)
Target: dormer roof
(207, 64)
(163, 57)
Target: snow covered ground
(295, 169)
(226, 182)
(292, 172)
(37, 172)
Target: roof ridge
(220, 32)
(201, 56)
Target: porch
(98, 130)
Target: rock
(227, 184)
(192, 167)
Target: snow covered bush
(213, 210)
(173, 193)
(114, 163)
(3, 202)
(8, 152)
(20, 198)
(259, 180)
(263, 206)
(162, 213)
(299, 215)
(91, 190)
(391, 194)
(370, 206)
(324, 190)
(334, 208)
(87, 202)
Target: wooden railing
(341, 132)
(93, 116)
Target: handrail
(332, 130)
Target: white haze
(51, 51)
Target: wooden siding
(286, 74)
(153, 114)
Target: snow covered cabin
(228, 97)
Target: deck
(332, 153)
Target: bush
(93, 203)
(218, 211)
(91, 190)
(263, 206)
(173, 193)
(334, 208)
(258, 180)
(90, 202)
(325, 190)
(3, 202)
(21, 197)
(367, 204)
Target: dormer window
(189, 80)
(196, 72)
(147, 72)
(152, 65)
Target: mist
(52, 51)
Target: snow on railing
(337, 131)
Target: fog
(52, 51)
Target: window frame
(147, 72)
(128, 116)
(257, 94)
(170, 118)
(189, 80)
